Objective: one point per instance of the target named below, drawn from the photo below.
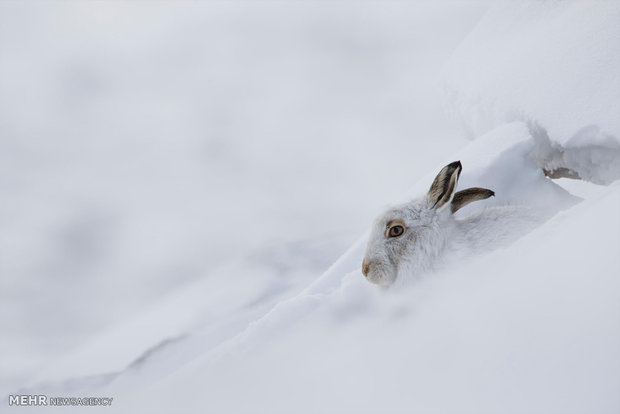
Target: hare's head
(407, 238)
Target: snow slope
(533, 327)
(529, 328)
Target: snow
(513, 336)
(146, 147)
(553, 66)
(277, 320)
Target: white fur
(432, 233)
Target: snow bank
(342, 345)
(531, 328)
(501, 160)
(553, 65)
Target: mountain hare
(410, 238)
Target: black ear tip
(454, 166)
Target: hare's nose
(365, 267)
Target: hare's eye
(396, 231)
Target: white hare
(410, 238)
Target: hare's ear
(443, 187)
(464, 197)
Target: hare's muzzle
(365, 267)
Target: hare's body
(413, 237)
(494, 227)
